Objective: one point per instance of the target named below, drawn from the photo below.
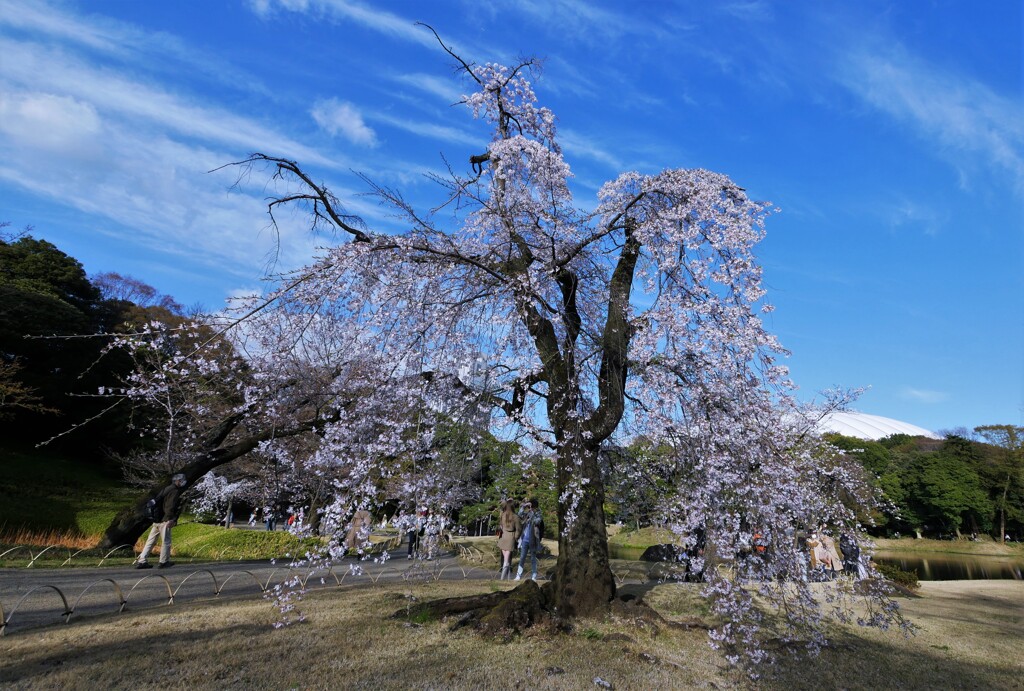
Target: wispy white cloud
(102, 35)
(35, 68)
(130, 155)
(923, 395)
(49, 122)
(339, 117)
(562, 76)
(427, 129)
(906, 213)
(750, 10)
(585, 21)
(587, 147)
(158, 50)
(378, 20)
(128, 148)
(972, 125)
(445, 89)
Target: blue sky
(890, 134)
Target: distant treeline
(954, 487)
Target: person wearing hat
(166, 510)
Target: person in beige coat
(824, 555)
(359, 532)
(835, 558)
(510, 527)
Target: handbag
(499, 532)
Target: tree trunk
(583, 583)
(128, 525)
(1002, 512)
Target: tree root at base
(529, 607)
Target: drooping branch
(325, 204)
(613, 224)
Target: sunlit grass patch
(214, 542)
(643, 538)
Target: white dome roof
(872, 427)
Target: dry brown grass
(348, 641)
(69, 539)
(970, 638)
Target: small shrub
(907, 579)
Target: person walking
(533, 529)
(165, 515)
(416, 527)
(510, 527)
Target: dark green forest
(947, 488)
(54, 323)
(54, 319)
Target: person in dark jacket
(168, 505)
(851, 555)
(529, 541)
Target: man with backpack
(163, 510)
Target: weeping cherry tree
(640, 314)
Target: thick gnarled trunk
(583, 583)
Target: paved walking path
(31, 597)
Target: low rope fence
(120, 597)
(419, 570)
(34, 556)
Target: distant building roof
(873, 427)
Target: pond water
(953, 567)
(625, 552)
(930, 566)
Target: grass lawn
(984, 547)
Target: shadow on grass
(140, 659)
(852, 662)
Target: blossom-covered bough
(567, 327)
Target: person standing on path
(414, 529)
(359, 532)
(533, 528)
(510, 527)
(168, 505)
